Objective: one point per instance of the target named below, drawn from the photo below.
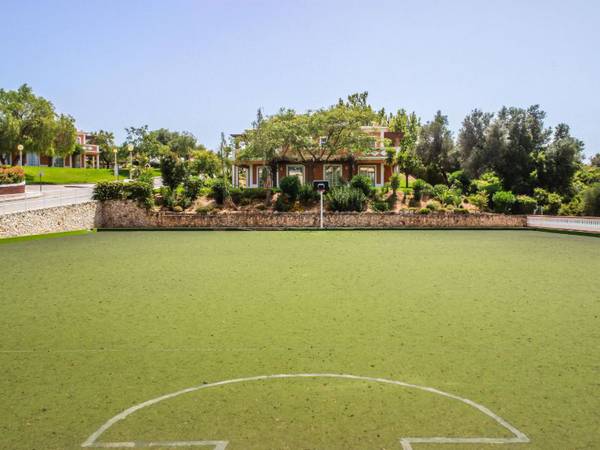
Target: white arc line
(518, 436)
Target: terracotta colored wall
(387, 173)
(12, 189)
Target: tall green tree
(557, 163)
(519, 135)
(436, 149)
(205, 162)
(31, 120)
(105, 140)
(471, 143)
(409, 127)
(595, 160)
(65, 136)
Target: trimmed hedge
(138, 191)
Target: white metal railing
(48, 200)
(591, 224)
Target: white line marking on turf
(217, 445)
(519, 437)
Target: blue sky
(206, 66)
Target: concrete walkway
(50, 195)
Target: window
(296, 171)
(58, 161)
(33, 159)
(262, 175)
(368, 171)
(333, 174)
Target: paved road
(52, 195)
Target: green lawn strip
(35, 237)
(508, 319)
(67, 175)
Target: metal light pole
(20, 148)
(116, 165)
(321, 194)
(130, 149)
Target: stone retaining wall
(128, 215)
(117, 214)
(50, 220)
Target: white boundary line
(519, 437)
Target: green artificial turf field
(94, 324)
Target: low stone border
(116, 214)
(82, 216)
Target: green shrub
(236, 194)
(433, 205)
(108, 190)
(575, 207)
(140, 173)
(461, 211)
(525, 204)
(254, 193)
(503, 202)
(553, 204)
(395, 182)
(177, 208)
(11, 175)
(380, 205)
(290, 186)
(363, 183)
(192, 187)
(346, 198)
(140, 192)
(439, 190)
(449, 197)
(541, 196)
(307, 194)
(172, 169)
(591, 200)
(420, 188)
(481, 200)
(220, 190)
(488, 182)
(460, 181)
(283, 204)
(424, 211)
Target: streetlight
(116, 165)
(130, 149)
(20, 148)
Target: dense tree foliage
(313, 136)
(436, 149)
(31, 121)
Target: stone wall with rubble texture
(118, 214)
(128, 215)
(50, 220)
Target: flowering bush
(11, 175)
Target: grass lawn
(67, 175)
(93, 324)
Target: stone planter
(11, 189)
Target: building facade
(336, 170)
(89, 156)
